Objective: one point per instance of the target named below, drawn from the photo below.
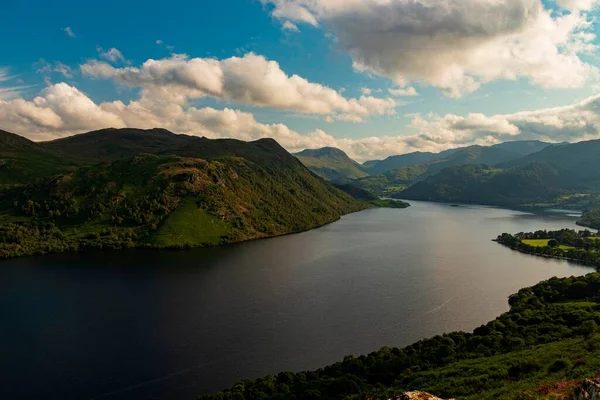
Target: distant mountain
(331, 164)
(532, 184)
(492, 155)
(472, 155)
(404, 160)
(370, 163)
(581, 161)
(522, 147)
(392, 181)
(152, 188)
(422, 165)
(558, 174)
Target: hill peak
(322, 152)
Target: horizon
(302, 73)
(300, 151)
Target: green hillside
(189, 192)
(22, 160)
(392, 181)
(398, 172)
(404, 160)
(331, 164)
(549, 335)
(566, 175)
(492, 155)
(591, 218)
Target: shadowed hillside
(331, 164)
(126, 188)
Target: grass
(190, 226)
(526, 374)
(543, 243)
(539, 372)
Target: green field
(542, 243)
(190, 226)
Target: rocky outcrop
(588, 390)
(415, 396)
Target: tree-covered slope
(404, 160)
(559, 173)
(591, 218)
(422, 165)
(531, 184)
(190, 192)
(331, 164)
(549, 334)
(435, 162)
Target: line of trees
(579, 246)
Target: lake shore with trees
(582, 247)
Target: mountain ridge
(153, 188)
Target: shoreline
(571, 260)
(145, 246)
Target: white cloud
(366, 91)
(112, 55)
(400, 92)
(159, 42)
(69, 31)
(62, 110)
(576, 5)
(456, 45)
(63, 69)
(251, 80)
(290, 26)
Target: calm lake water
(170, 325)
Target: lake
(170, 325)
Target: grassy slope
(500, 378)
(331, 164)
(189, 226)
(253, 190)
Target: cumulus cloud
(251, 80)
(62, 110)
(400, 92)
(112, 55)
(69, 31)
(290, 26)
(456, 45)
(576, 5)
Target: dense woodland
(591, 218)
(582, 246)
(549, 334)
(115, 189)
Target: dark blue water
(170, 325)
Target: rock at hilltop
(415, 396)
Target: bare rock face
(415, 396)
(588, 390)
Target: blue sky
(324, 48)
